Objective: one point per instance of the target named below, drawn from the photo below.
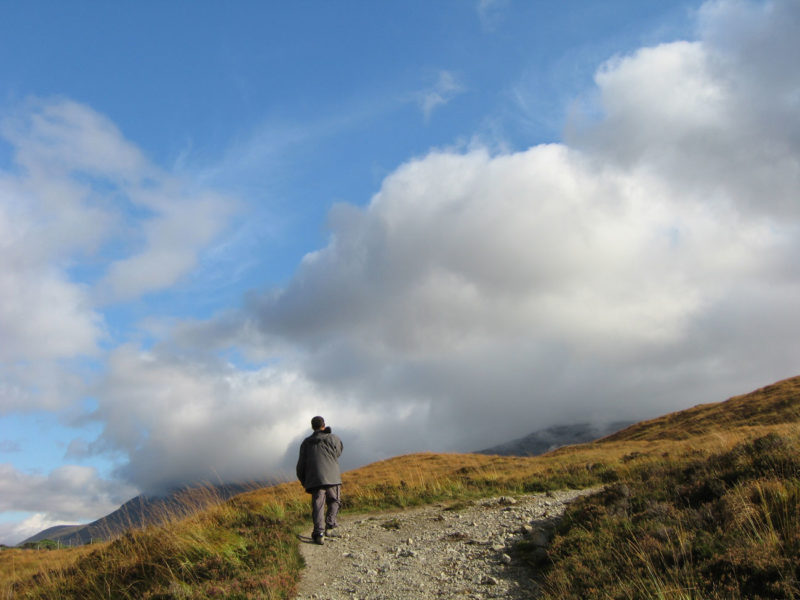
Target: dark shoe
(317, 539)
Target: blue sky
(216, 222)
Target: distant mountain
(554, 437)
(143, 511)
(53, 533)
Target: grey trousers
(327, 495)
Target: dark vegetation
(702, 525)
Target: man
(318, 471)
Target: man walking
(318, 471)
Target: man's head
(317, 423)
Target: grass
(247, 548)
(704, 524)
(771, 405)
(699, 504)
(233, 550)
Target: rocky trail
(434, 552)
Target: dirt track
(433, 553)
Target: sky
(441, 225)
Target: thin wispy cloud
(441, 93)
(491, 13)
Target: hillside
(771, 405)
(141, 511)
(57, 533)
(551, 438)
(702, 503)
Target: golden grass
(18, 565)
(203, 547)
(771, 405)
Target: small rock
(505, 559)
(506, 500)
(488, 580)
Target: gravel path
(432, 552)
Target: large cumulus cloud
(646, 264)
(182, 421)
(717, 117)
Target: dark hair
(317, 423)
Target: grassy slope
(772, 405)
(675, 484)
(709, 507)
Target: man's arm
(301, 463)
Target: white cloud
(14, 532)
(641, 267)
(443, 91)
(45, 219)
(80, 182)
(80, 196)
(183, 225)
(180, 421)
(68, 494)
(538, 282)
(716, 117)
(63, 136)
(42, 314)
